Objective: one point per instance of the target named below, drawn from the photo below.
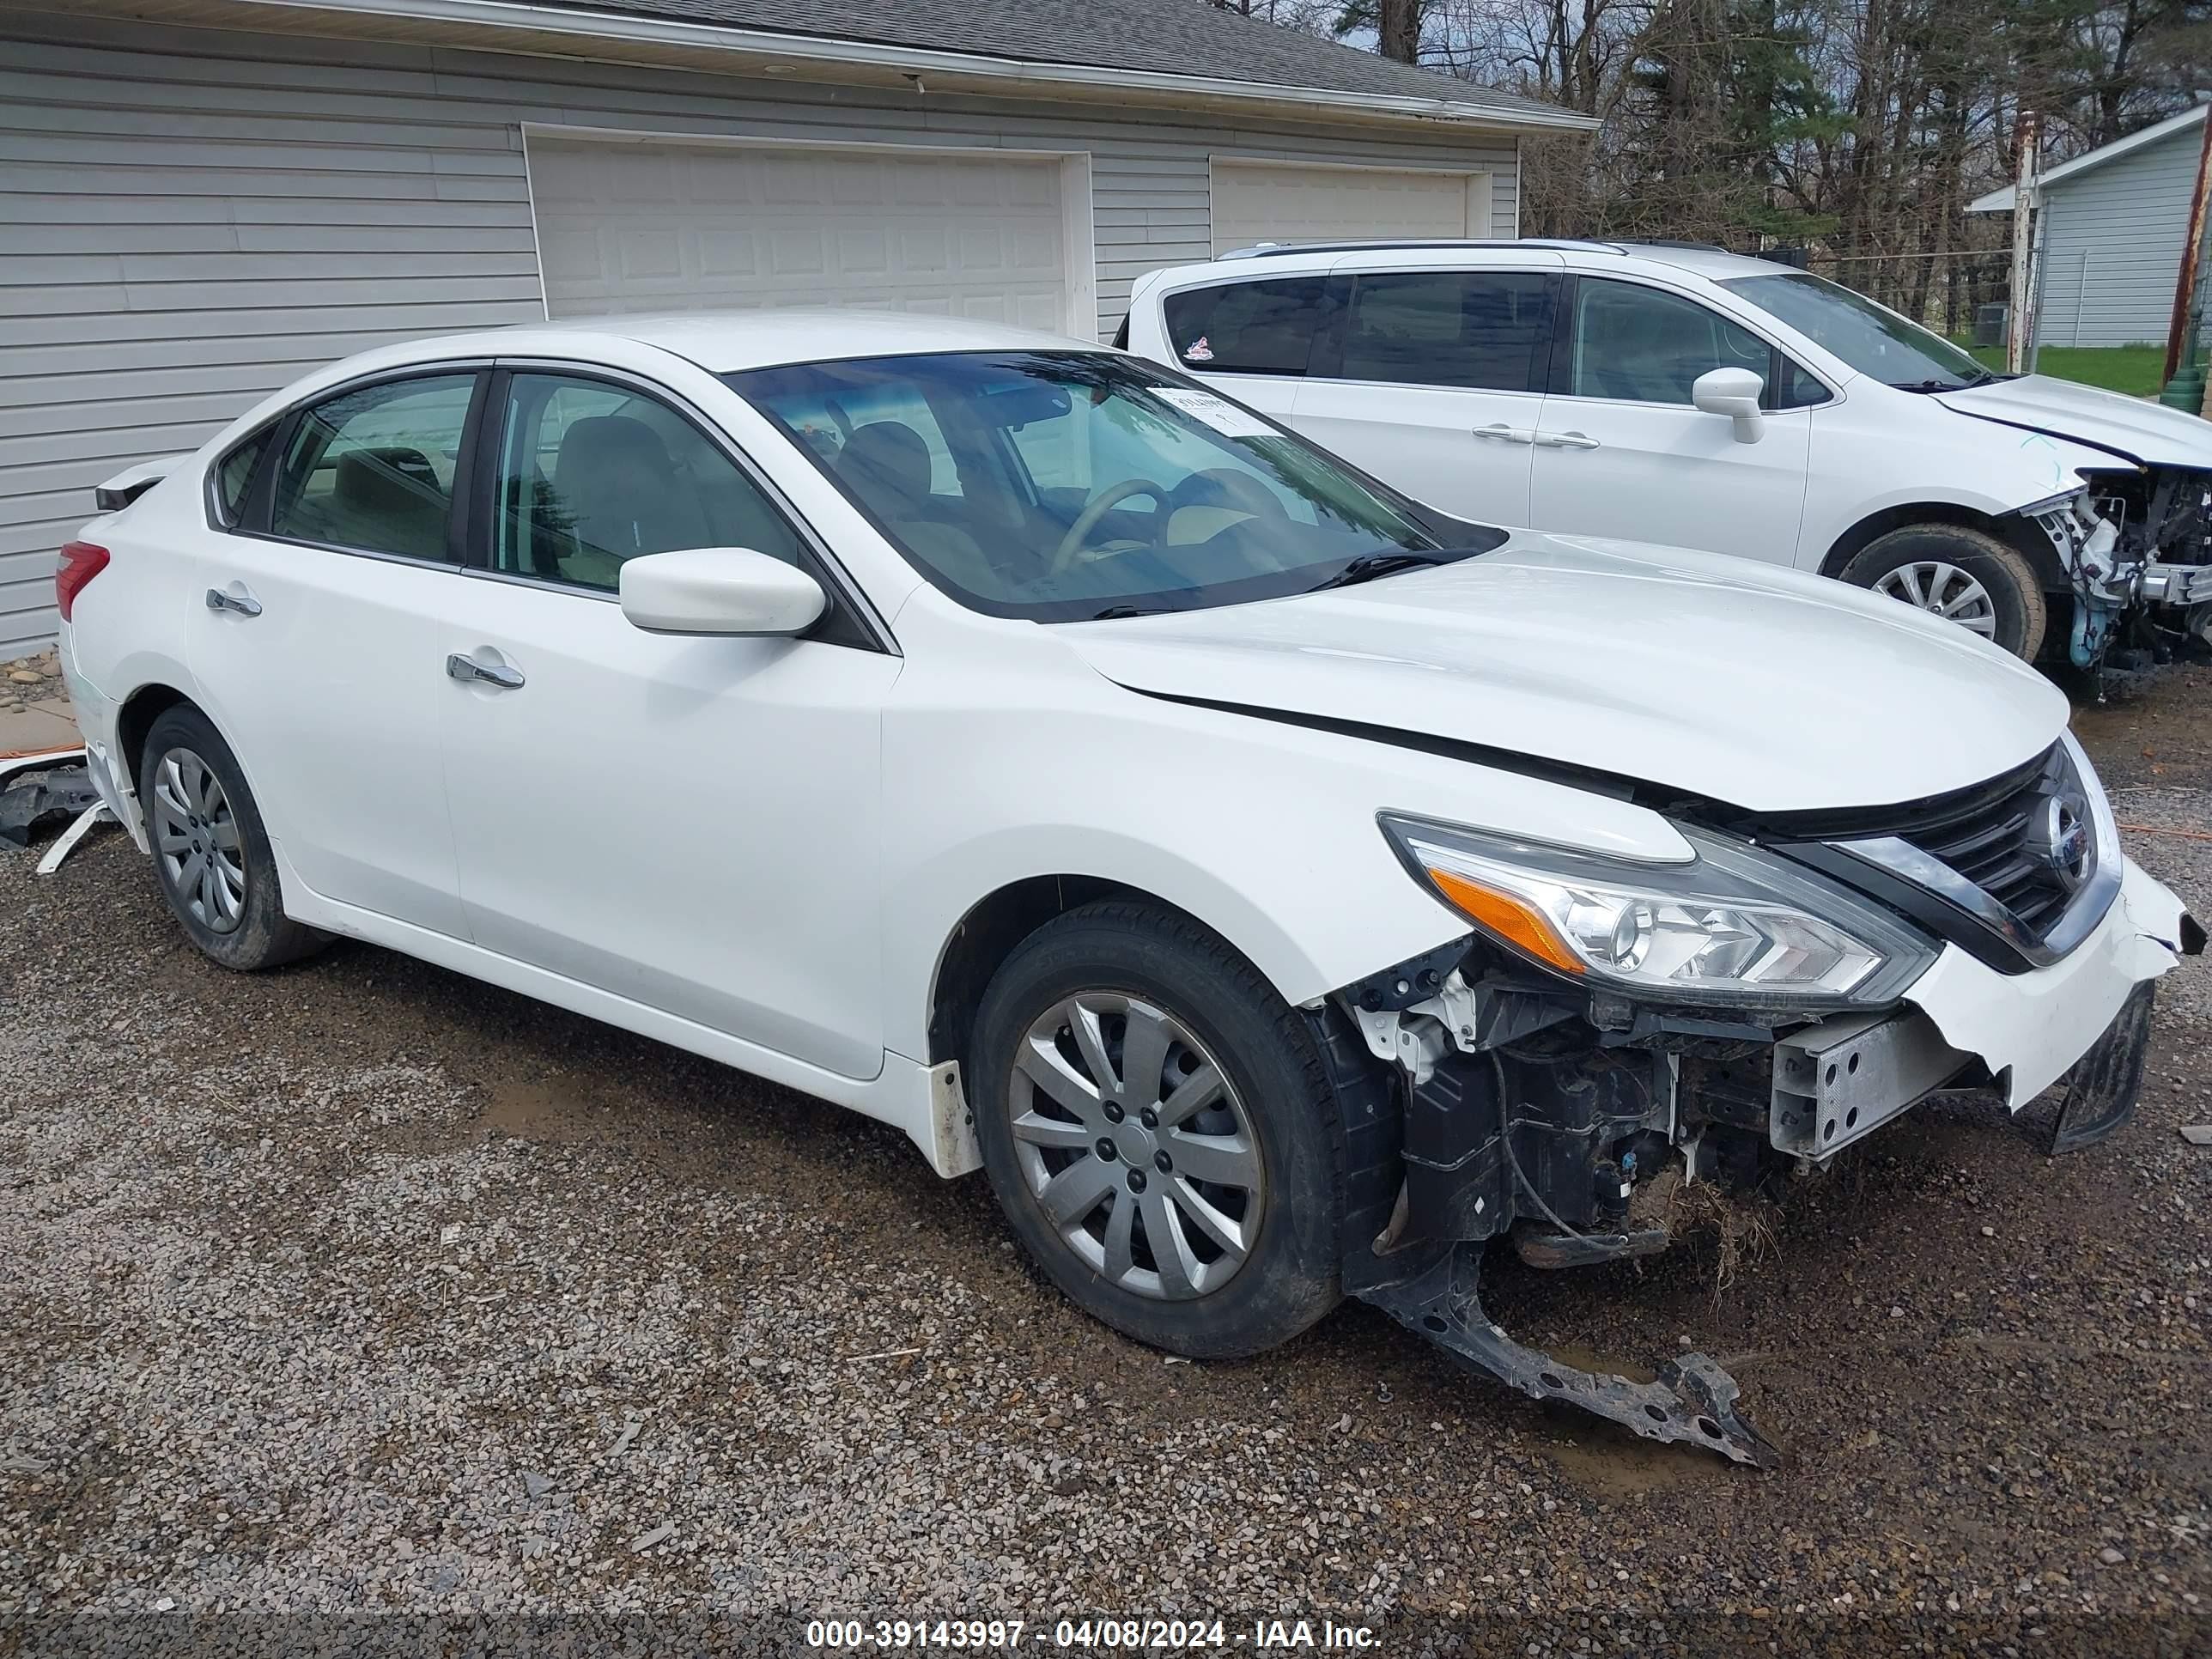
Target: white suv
(1681, 394)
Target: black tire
(1289, 1275)
(260, 935)
(2015, 593)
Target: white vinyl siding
(2113, 240)
(194, 217)
(1274, 201)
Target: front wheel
(1962, 574)
(1157, 1126)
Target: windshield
(1066, 485)
(1872, 339)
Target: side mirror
(718, 590)
(1733, 392)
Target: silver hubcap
(195, 838)
(1135, 1145)
(1945, 590)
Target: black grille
(1988, 833)
(1988, 840)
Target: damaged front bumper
(2137, 551)
(1511, 1104)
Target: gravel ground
(363, 1289)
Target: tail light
(81, 562)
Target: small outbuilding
(2115, 223)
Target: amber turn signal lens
(1511, 920)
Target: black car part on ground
(31, 795)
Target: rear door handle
(242, 602)
(1568, 441)
(1505, 434)
(499, 674)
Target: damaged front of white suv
(1833, 909)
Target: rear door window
(1488, 331)
(372, 469)
(1246, 328)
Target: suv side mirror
(718, 590)
(1733, 392)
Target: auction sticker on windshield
(1218, 413)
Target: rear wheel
(1962, 574)
(1156, 1124)
(211, 857)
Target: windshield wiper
(1368, 566)
(1983, 379)
(1116, 612)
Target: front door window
(1640, 344)
(592, 474)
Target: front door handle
(1568, 441)
(497, 674)
(1504, 434)
(241, 602)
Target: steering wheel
(1223, 486)
(1087, 520)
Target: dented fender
(2028, 1029)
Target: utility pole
(2027, 202)
(2177, 343)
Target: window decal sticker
(1198, 351)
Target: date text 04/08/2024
(999, 1634)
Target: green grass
(2131, 368)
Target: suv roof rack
(1266, 250)
(1675, 241)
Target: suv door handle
(1568, 441)
(498, 674)
(242, 602)
(1506, 434)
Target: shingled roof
(1147, 36)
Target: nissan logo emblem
(2060, 832)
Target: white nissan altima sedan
(1280, 890)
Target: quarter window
(1245, 328)
(1487, 330)
(592, 474)
(372, 468)
(1643, 345)
(233, 475)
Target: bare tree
(1855, 129)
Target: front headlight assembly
(1731, 926)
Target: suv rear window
(1487, 330)
(1245, 328)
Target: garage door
(676, 227)
(1263, 201)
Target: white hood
(1758, 687)
(2140, 430)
